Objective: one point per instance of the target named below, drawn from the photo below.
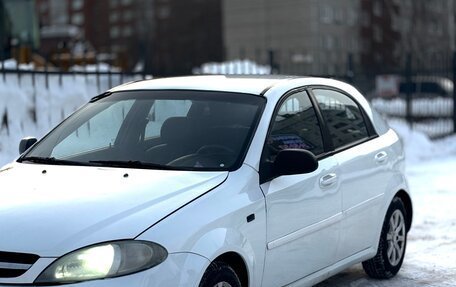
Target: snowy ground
(431, 252)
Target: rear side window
(343, 117)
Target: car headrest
(175, 129)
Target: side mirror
(26, 143)
(295, 161)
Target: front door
(303, 211)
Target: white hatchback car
(207, 181)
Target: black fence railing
(112, 78)
(418, 90)
(59, 90)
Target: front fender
(223, 240)
(216, 223)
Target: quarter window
(295, 126)
(342, 116)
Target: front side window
(342, 116)
(185, 130)
(295, 126)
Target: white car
(207, 181)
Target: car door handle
(381, 157)
(328, 180)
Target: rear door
(304, 210)
(362, 160)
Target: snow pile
(418, 147)
(19, 99)
(11, 64)
(100, 67)
(426, 106)
(236, 67)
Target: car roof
(256, 85)
(272, 87)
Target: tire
(220, 274)
(393, 241)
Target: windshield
(185, 130)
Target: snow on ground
(430, 256)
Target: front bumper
(178, 270)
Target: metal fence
(425, 108)
(421, 91)
(111, 78)
(49, 83)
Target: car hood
(52, 210)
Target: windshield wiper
(132, 164)
(50, 160)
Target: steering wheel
(214, 149)
(208, 156)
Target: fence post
(5, 122)
(272, 64)
(2, 60)
(454, 92)
(18, 72)
(97, 71)
(350, 68)
(60, 68)
(408, 92)
(46, 71)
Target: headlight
(104, 261)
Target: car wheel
(220, 274)
(391, 248)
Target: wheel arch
(405, 197)
(237, 262)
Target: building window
(328, 42)
(395, 23)
(126, 2)
(377, 9)
(77, 19)
(435, 27)
(77, 4)
(127, 16)
(114, 17)
(44, 7)
(127, 31)
(113, 3)
(326, 14)
(352, 17)
(114, 32)
(365, 18)
(436, 6)
(339, 16)
(377, 34)
(164, 12)
(354, 44)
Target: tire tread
(377, 267)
